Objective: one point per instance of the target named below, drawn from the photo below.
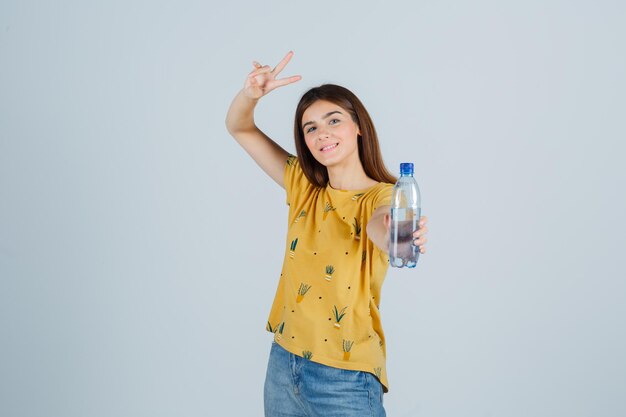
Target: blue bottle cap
(406, 168)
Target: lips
(329, 147)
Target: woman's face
(330, 133)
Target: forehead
(318, 109)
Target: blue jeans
(295, 386)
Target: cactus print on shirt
(327, 303)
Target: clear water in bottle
(405, 215)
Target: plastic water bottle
(405, 215)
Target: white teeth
(325, 148)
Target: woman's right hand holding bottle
(262, 79)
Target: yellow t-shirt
(327, 303)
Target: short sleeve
(295, 180)
(382, 197)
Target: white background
(140, 247)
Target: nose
(322, 133)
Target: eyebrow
(325, 116)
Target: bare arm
(270, 156)
(378, 228)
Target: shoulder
(295, 179)
(382, 190)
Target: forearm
(240, 116)
(378, 233)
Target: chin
(329, 162)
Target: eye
(334, 120)
(309, 130)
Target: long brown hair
(369, 150)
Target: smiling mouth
(329, 147)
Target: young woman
(328, 354)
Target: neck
(349, 176)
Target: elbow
(237, 128)
(233, 125)
(230, 130)
(230, 127)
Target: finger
(264, 68)
(260, 70)
(419, 241)
(282, 63)
(422, 249)
(285, 81)
(387, 221)
(423, 220)
(252, 80)
(421, 231)
(255, 66)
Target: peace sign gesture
(262, 79)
